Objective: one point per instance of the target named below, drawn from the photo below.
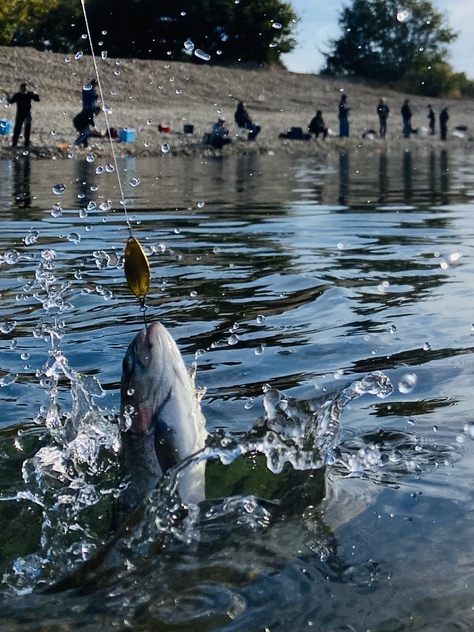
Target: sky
(318, 25)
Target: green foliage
(19, 17)
(381, 43)
(224, 29)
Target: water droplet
(118, 62)
(31, 238)
(260, 319)
(165, 148)
(117, 73)
(392, 329)
(218, 52)
(59, 189)
(149, 122)
(94, 188)
(276, 25)
(260, 350)
(407, 383)
(404, 14)
(193, 294)
(84, 36)
(104, 32)
(426, 346)
(178, 91)
(56, 211)
(74, 237)
(200, 204)
(87, 87)
(177, 231)
(233, 340)
(8, 379)
(83, 213)
(8, 326)
(130, 391)
(134, 182)
(273, 45)
(109, 168)
(53, 132)
(188, 45)
(202, 55)
(90, 158)
(104, 54)
(79, 55)
(91, 206)
(68, 60)
(249, 403)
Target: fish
(161, 419)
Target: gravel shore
(145, 93)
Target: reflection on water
(401, 178)
(302, 274)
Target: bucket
(5, 127)
(188, 129)
(127, 135)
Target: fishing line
(136, 265)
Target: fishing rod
(136, 264)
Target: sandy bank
(143, 94)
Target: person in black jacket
(431, 119)
(406, 116)
(243, 120)
(443, 123)
(23, 100)
(317, 125)
(84, 124)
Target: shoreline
(179, 146)
(143, 94)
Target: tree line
(403, 47)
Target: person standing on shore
(23, 100)
(406, 116)
(344, 117)
(443, 123)
(431, 119)
(383, 111)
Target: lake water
(299, 273)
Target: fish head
(147, 370)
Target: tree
(18, 17)
(381, 41)
(227, 30)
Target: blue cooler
(127, 135)
(5, 127)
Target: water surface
(298, 273)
